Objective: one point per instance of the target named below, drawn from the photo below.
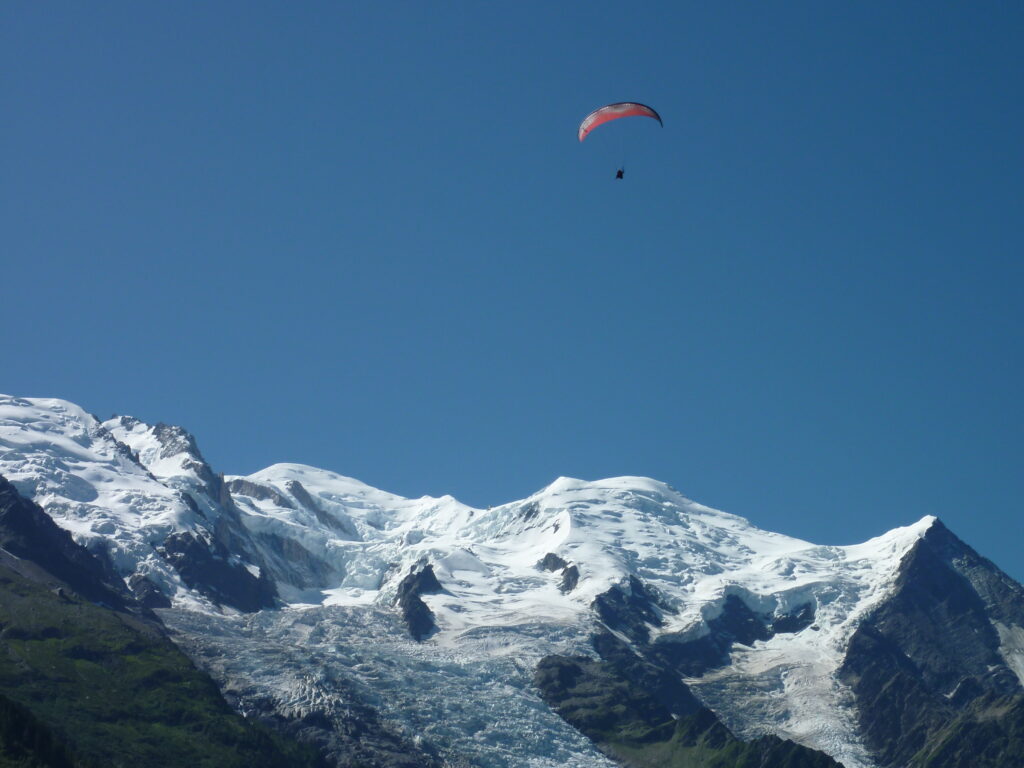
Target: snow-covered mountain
(427, 625)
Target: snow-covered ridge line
(318, 543)
(130, 485)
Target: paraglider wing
(608, 112)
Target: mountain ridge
(762, 627)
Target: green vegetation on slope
(990, 734)
(27, 743)
(115, 691)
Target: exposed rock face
(257, 491)
(570, 578)
(177, 441)
(662, 686)
(207, 568)
(630, 609)
(795, 621)
(987, 734)
(298, 490)
(552, 563)
(147, 593)
(735, 624)
(193, 476)
(293, 564)
(27, 532)
(570, 573)
(418, 617)
(930, 655)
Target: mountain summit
(593, 623)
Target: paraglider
(610, 112)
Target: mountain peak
(617, 484)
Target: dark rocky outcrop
(292, 563)
(244, 487)
(570, 573)
(630, 609)
(27, 532)
(633, 608)
(570, 578)
(175, 441)
(736, 623)
(418, 617)
(925, 664)
(147, 593)
(795, 621)
(1002, 597)
(552, 562)
(298, 490)
(208, 568)
(529, 511)
(663, 687)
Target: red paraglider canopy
(603, 114)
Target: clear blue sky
(363, 236)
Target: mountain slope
(927, 663)
(987, 734)
(165, 538)
(90, 685)
(28, 534)
(25, 742)
(640, 714)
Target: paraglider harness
(619, 173)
